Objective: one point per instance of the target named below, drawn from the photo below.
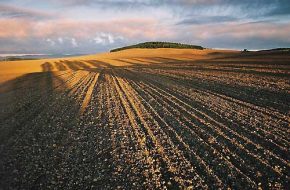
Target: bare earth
(146, 119)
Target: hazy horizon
(92, 26)
(12, 54)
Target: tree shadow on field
(47, 67)
(39, 116)
(131, 62)
(164, 60)
(23, 103)
(89, 65)
(146, 60)
(60, 66)
(23, 98)
(99, 64)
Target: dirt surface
(202, 121)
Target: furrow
(194, 142)
(235, 143)
(174, 158)
(153, 164)
(89, 93)
(227, 128)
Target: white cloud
(60, 40)
(99, 40)
(74, 42)
(106, 38)
(110, 39)
(51, 42)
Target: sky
(92, 26)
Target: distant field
(147, 119)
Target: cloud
(8, 11)
(279, 10)
(234, 35)
(98, 25)
(15, 28)
(107, 38)
(60, 40)
(99, 40)
(134, 3)
(206, 20)
(51, 42)
(74, 42)
(105, 2)
(22, 28)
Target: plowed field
(153, 123)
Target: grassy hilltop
(154, 45)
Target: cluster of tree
(153, 45)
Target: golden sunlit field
(146, 119)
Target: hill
(180, 118)
(11, 69)
(153, 45)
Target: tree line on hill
(153, 45)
